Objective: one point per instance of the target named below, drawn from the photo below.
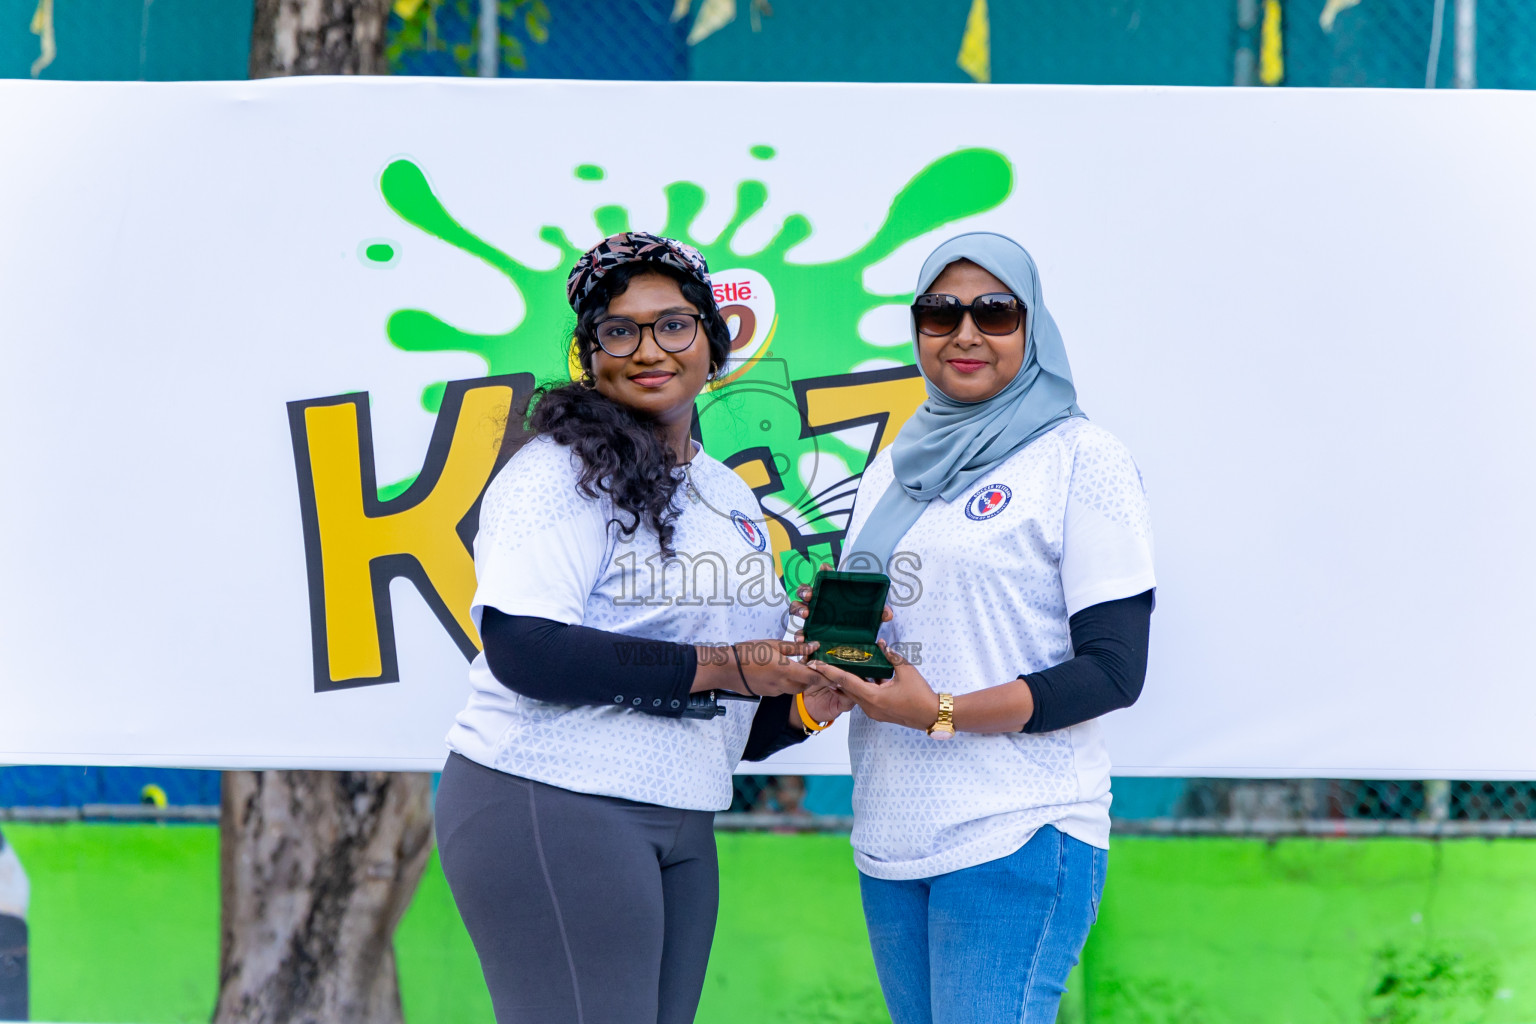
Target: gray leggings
(583, 909)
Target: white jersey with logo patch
(1058, 527)
(545, 550)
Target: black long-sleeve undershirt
(568, 664)
(565, 664)
(578, 665)
(771, 728)
(1106, 671)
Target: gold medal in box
(845, 610)
(850, 655)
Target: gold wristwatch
(944, 727)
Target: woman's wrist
(803, 717)
(1002, 708)
(741, 672)
(930, 712)
(716, 669)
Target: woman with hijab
(981, 782)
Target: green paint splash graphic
(818, 305)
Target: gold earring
(587, 382)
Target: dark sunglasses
(937, 314)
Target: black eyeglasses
(619, 336)
(937, 314)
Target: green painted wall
(1195, 931)
(129, 40)
(1232, 931)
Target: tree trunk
(317, 869)
(318, 37)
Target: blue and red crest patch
(988, 501)
(751, 531)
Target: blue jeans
(987, 944)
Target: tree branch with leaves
(419, 31)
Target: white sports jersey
(546, 550)
(1059, 526)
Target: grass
(1200, 931)
(1238, 931)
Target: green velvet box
(845, 612)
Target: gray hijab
(948, 446)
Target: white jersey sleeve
(1107, 535)
(542, 546)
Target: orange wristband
(805, 716)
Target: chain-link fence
(1354, 807)
(1359, 43)
(1391, 43)
(1364, 43)
(634, 39)
(1233, 807)
(1411, 44)
(125, 40)
(1332, 799)
(47, 793)
(1258, 807)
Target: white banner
(257, 339)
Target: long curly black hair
(622, 450)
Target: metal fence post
(1437, 800)
(1466, 44)
(1245, 53)
(490, 40)
(1432, 66)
